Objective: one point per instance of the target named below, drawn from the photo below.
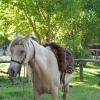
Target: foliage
(74, 23)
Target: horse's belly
(45, 84)
(42, 87)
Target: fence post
(81, 71)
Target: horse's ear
(18, 35)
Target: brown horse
(43, 64)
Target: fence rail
(4, 61)
(87, 60)
(81, 65)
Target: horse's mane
(64, 57)
(17, 41)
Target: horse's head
(20, 54)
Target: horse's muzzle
(11, 72)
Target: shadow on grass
(86, 90)
(81, 92)
(98, 74)
(1, 97)
(4, 81)
(15, 92)
(90, 76)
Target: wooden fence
(81, 64)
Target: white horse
(43, 63)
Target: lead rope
(23, 87)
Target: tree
(46, 17)
(74, 23)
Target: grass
(89, 89)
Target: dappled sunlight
(96, 86)
(93, 65)
(88, 89)
(76, 83)
(90, 76)
(74, 24)
(91, 70)
(84, 84)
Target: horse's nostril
(12, 72)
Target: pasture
(87, 90)
(73, 24)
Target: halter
(20, 63)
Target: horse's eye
(22, 51)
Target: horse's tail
(64, 57)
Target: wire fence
(20, 89)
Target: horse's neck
(39, 52)
(38, 62)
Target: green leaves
(74, 23)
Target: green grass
(89, 89)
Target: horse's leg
(54, 93)
(65, 91)
(37, 95)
